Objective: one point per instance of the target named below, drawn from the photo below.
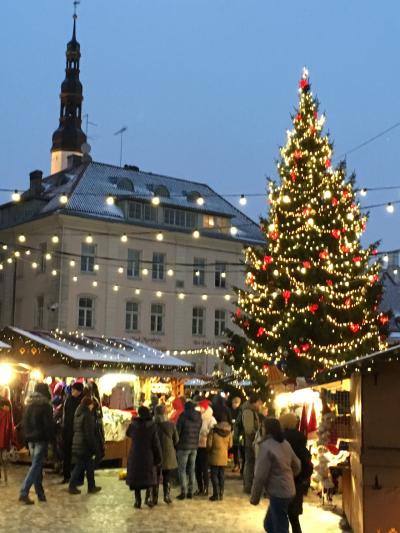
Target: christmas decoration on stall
(312, 293)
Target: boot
(215, 494)
(167, 493)
(155, 494)
(149, 498)
(138, 500)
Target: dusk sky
(206, 87)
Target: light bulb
(54, 272)
(286, 199)
(363, 192)
(96, 267)
(110, 200)
(116, 288)
(181, 296)
(385, 258)
(155, 200)
(204, 297)
(9, 260)
(21, 238)
(158, 294)
(48, 257)
(350, 216)
(120, 270)
(94, 283)
(196, 234)
(310, 222)
(170, 272)
(137, 291)
(159, 236)
(390, 207)
(63, 199)
(34, 265)
(27, 252)
(200, 200)
(242, 199)
(234, 230)
(145, 272)
(124, 238)
(74, 279)
(327, 194)
(227, 297)
(89, 238)
(55, 239)
(17, 254)
(16, 197)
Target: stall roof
(4, 346)
(113, 352)
(347, 368)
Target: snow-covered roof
(113, 352)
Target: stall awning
(79, 350)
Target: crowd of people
(189, 447)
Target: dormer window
(162, 191)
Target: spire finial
(75, 16)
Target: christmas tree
(312, 293)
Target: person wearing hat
(70, 406)
(168, 436)
(207, 423)
(38, 430)
(144, 457)
(298, 442)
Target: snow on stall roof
(4, 346)
(81, 348)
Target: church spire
(69, 137)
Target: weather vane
(76, 4)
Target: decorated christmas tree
(312, 293)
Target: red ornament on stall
(286, 295)
(312, 130)
(313, 308)
(260, 331)
(303, 84)
(306, 211)
(315, 114)
(328, 163)
(354, 327)
(335, 233)
(268, 259)
(250, 279)
(345, 193)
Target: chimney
(35, 180)
(74, 160)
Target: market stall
(127, 373)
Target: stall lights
(204, 297)
(116, 288)
(54, 272)
(6, 374)
(227, 297)
(36, 375)
(34, 265)
(181, 295)
(27, 252)
(17, 253)
(1, 266)
(9, 260)
(137, 292)
(5, 247)
(47, 257)
(96, 267)
(16, 197)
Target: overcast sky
(206, 87)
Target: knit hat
(78, 386)
(204, 404)
(289, 421)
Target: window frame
(86, 310)
(219, 281)
(199, 265)
(157, 318)
(219, 331)
(39, 312)
(198, 321)
(88, 259)
(130, 264)
(158, 267)
(132, 314)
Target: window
(199, 271)
(220, 275)
(141, 211)
(179, 217)
(88, 254)
(133, 267)
(157, 318)
(158, 267)
(39, 318)
(219, 324)
(198, 321)
(132, 316)
(86, 312)
(43, 252)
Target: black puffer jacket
(84, 439)
(144, 455)
(188, 426)
(37, 420)
(70, 406)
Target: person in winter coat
(221, 411)
(235, 412)
(250, 422)
(275, 469)
(168, 436)
(298, 442)
(84, 447)
(178, 405)
(6, 430)
(207, 423)
(219, 442)
(71, 404)
(38, 430)
(144, 457)
(188, 426)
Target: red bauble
(345, 193)
(306, 211)
(246, 324)
(329, 282)
(323, 254)
(305, 347)
(297, 118)
(312, 130)
(313, 308)
(374, 252)
(273, 235)
(296, 349)
(334, 202)
(375, 278)
(315, 114)
(238, 312)
(297, 154)
(260, 331)
(347, 302)
(306, 264)
(293, 176)
(345, 249)
(357, 259)
(265, 366)
(303, 84)
(250, 279)
(354, 327)
(335, 233)
(286, 295)
(328, 163)
(268, 259)
(383, 319)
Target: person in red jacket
(6, 430)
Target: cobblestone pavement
(112, 511)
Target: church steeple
(69, 137)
